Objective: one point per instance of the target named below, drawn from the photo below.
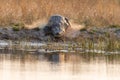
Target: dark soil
(38, 34)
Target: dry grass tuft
(90, 12)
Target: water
(21, 65)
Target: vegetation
(17, 26)
(108, 44)
(114, 26)
(18, 13)
(90, 12)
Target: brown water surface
(58, 66)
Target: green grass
(17, 26)
(114, 26)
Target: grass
(17, 26)
(114, 26)
(100, 45)
(90, 12)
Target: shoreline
(37, 34)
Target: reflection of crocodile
(63, 57)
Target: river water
(20, 65)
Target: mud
(71, 34)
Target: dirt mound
(74, 30)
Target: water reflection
(58, 66)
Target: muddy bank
(37, 34)
(102, 33)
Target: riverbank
(98, 40)
(37, 34)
